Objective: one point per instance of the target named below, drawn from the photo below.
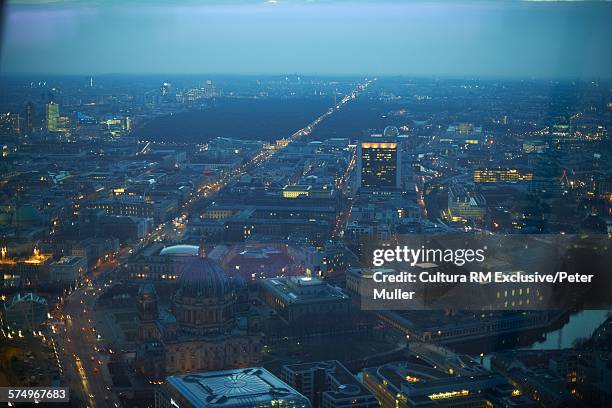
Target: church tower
(147, 313)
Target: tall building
(247, 387)
(379, 164)
(127, 124)
(210, 89)
(52, 116)
(164, 91)
(29, 118)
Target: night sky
(475, 39)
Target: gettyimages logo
(413, 256)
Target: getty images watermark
(505, 272)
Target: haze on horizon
(476, 38)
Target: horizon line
(310, 74)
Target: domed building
(201, 331)
(158, 263)
(204, 301)
(180, 250)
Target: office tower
(52, 115)
(128, 124)
(210, 89)
(164, 89)
(379, 164)
(29, 118)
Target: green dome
(27, 215)
(5, 218)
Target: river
(580, 325)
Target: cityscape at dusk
(306, 204)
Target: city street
(78, 339)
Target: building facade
(200, 332)
(379, 165)
(299, 298)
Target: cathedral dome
(204, 300)
(202, 278)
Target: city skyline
(128, 201)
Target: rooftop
(345, 383)
(180, 250)
(24, 297)
(303, 289)
(68, 260)
(234, 388)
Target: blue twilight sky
(457, 38)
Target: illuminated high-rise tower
(164, 89)
(379, 164)
(29, 118)
(52, 116)
(210, 89)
